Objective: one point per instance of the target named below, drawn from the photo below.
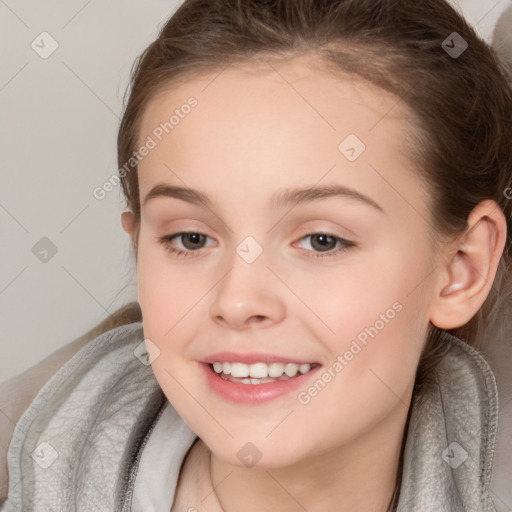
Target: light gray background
(59, 120)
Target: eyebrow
(283, 198)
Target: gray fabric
(104, 413)
(95, 412)
(461, 408)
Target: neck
(358, 476)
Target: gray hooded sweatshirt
(102, 436)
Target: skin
(258, 129)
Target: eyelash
(166, 242)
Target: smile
(259, 373)
(257, 382)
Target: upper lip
(251, 358)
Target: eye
(193, 240)
(325, 242)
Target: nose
(249, 295)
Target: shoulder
(100, 404)
(490, 404)
(498, 353)
(18, 392)
(457, 455)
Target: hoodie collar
(451, 436)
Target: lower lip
(253, 393)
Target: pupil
(324, 241)
(195, 237)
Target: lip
(253, 393)
(250, 358)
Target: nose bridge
(248, 291)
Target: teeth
(260, 370)
(291, 369)
(257, 370)
(239, 370)
(304, 368)
(275, 370)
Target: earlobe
(466, 279)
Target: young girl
(319, 201)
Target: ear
(467, 276)
(128, 222)
(131, 227)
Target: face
(339, 281)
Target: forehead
(272, 123)
(304, 86)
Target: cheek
(381, 291)
(167, 290)
(370, 376)
(170, 297)
(373, 316)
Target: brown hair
(461, 142)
